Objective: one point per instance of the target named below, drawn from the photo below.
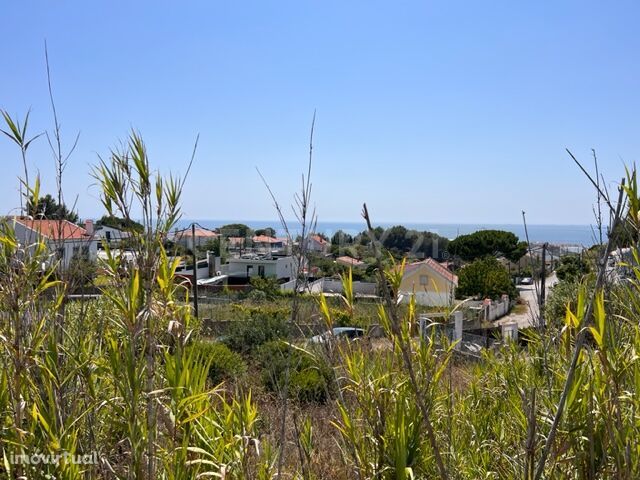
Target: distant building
(111, 235)
(64, 239)
(317, 244)
(430, 282)
(350, 262)
(282, 268)
(266, 244)
(186, 239)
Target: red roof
(266, 239)
(349, 261)
(319, 239)
(200, 232)
(236, 240)
(442, 270)
(55, 229)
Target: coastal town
(319, 240)
(231, 257)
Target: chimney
(88, 226)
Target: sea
(570, 235)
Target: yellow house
(431, 283)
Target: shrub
(309, 386)
(268, 286)
(563, 294)
(225, 364)
(257, 296)
(310, 378)
(245, 335)
(572, 267)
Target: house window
(261, 270)
(107, 234)
(424, 280)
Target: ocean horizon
(584, 235)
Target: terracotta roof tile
(200, 232)
(349, 261)
(442, 270)
(266, 239)
(319, 239)
(55, 229)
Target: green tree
(488, 242)
(269, 286)
(125, 224)
(397, 239)
(341, 238)
(430, 244)
(212, 245)
(269, 232)
(485, 277)
(48, 208)
(572, 267)
(339, 242)
(236, 230)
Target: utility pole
(543, 278)
(195, 269)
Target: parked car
(526, 281)
(340, 333)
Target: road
(529, 295)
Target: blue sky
(429, 111)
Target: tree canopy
(269, 232)
(572, 267)
(236, 230)
(485, 277)
(341, 238)
(48, 208)
(401, 241)
(488, 242)
(125, 224)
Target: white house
(317, 244)
(111, 235)
(266, 244)
(279, 267)
(64, 239)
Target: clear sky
(429, 111)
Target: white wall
(434, 299)
(114, 233)
(28, 237)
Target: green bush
(562, 294)
(269, 287)
(342, 318)
(225, 364)
(257, 296)
(483, 278)
(572, 267)
(309, 385)
(245, 335)
(310, 378)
